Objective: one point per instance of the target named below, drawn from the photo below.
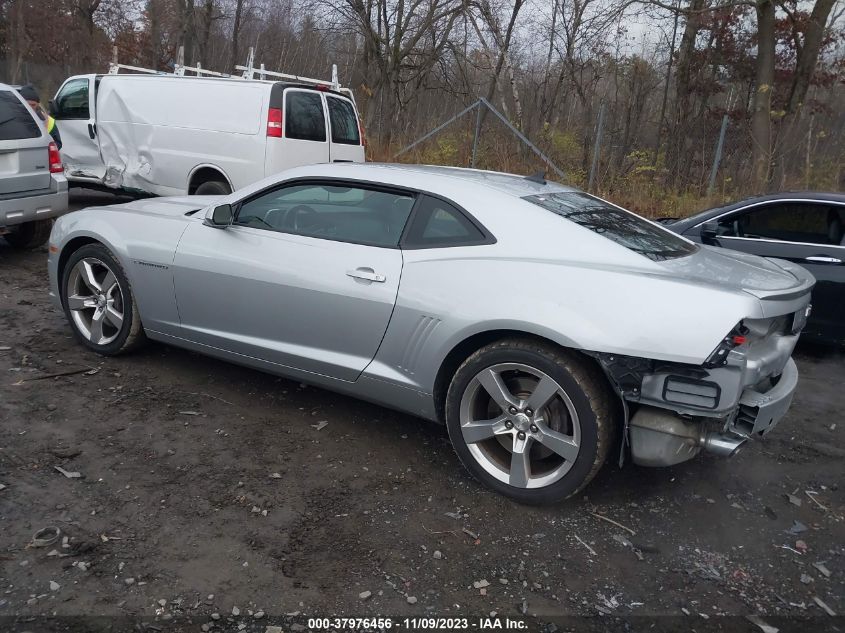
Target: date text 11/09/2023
(417, 624)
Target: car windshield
(622, 227)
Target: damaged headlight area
(675, 411)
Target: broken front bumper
(661, 437)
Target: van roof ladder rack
(248, 72)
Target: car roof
(702, 216)
(409, 175)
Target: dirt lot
(207, 488)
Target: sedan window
(345, 214)
(805, 222)
(616, 224)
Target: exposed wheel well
(70, 248)
(465, 349)
(206, 174)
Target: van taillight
(274, 122)
(54, 158)
(361, 132)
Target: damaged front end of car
(675, 411)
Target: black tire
(584, 385)
(30, 235)
(213, 188)
(130, 335)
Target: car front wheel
(530, 420)
(98, 302)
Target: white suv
(33, 189)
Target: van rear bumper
(14, 211)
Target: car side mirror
(52, 109)
(220, 217)
(709, 231)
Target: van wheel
(530, 420)
(30, 234)
(213, 188)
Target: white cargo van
(175, 135)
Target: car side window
(304, 117)
(72, 100)
(438, 223)
(329, 211)
(344, 121)
(808, 222)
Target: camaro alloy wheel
(95, 301)
(98, 301)
(530, 420)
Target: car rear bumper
(759, 412)
(46, 205)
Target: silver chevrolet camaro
(545, 327)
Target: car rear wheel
(530, 420)
(30, 234)
(98, 302)
(213, 188)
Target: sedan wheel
(98, 301)
(530, 420)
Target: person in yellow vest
(30, 95)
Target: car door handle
(818, 259)
(92, 131)
(366, 273)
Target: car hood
(173, 206)
(758, 276)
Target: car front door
(74, 108)
(809, 233)
(305, 277)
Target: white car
(176, 135)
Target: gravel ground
(205, 488)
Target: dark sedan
(806, 228)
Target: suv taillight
(54, 158)
(361, 132)
(274, 122)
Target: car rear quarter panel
(442, 302)
(143, 243)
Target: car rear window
(344, 122)
(16, 122)
(620, 226)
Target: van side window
(304, 117)
(72, 100)
(344, 122)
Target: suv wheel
(98, 302)
(30, 234)
(530, 420)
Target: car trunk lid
(768, 280)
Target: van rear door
(24, 160)
(305, 132)
(346, 142)
(74, 108)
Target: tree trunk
(683, 79)
(761, 115)
(236, 31)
